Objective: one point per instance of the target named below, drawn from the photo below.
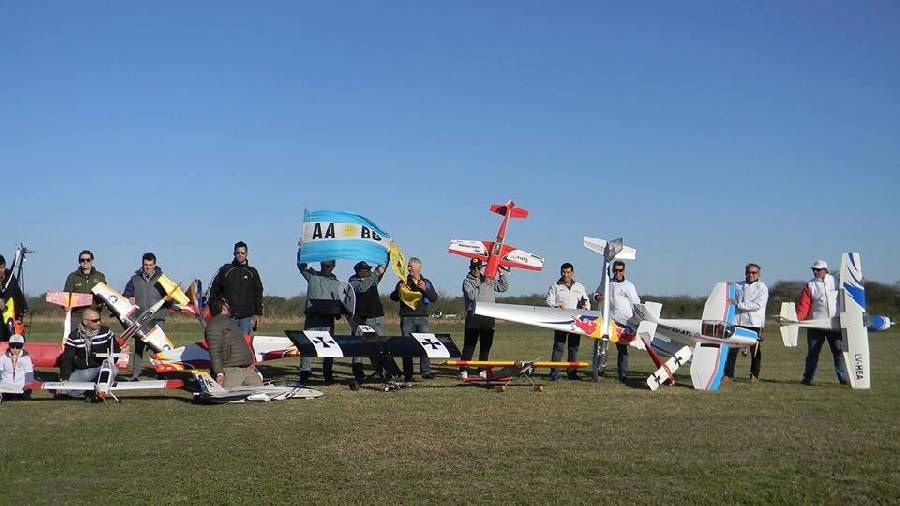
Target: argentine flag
(332, 235)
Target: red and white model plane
(497, 254)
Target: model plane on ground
(852, 321)
(497, 254)
(710, 336)
(211, 392)
(509, 370)
(135, 319)
(105, 385)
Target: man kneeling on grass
(230, 357)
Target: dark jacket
(145, 291)
(243, 288)
(12, 290)
(78, 282)
(428, 296)
(368, 302)
(81, 353)
(227, 347)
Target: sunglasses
(752, 272)
(618, 270)
(83, 260)
(817, 270)
(16, 346)
(94, 320)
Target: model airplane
(69, 301)
(852, 320)
(134, 318)
(510, 371)
(611, 251)
(710, 336)
(498, 254)
(196, 355)
(318, 343)
(106, 383)
(212, 392)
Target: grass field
(577, 442)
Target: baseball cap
(16, 339)
(362, 266)
(819, 264)
(475, 263)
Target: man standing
(79, 360)
(622, 297)
(750, 313)
(479, 288)
(819, 300)
(9, 289)
(369, 310)
(240, 285)
(415, 294)
(323, 306)
(142, 291)
(82, 280)
(230, 358)
(566, 293)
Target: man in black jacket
(414, 295)
(240, 285)
(79, 360)
(9, 289)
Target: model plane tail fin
(619, 250)
(708, 366)
(788, 322)
(172, 290)
(207, 385)
(510, 209)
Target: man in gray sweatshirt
(478, 288)
(323, 306)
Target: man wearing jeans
(566, 293)
(819, 300)
(414, 295)
(240, 285)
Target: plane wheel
(502, 388)
(538, 388)
(354, 385)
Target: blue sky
(708, 134)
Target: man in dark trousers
(9, 289)
(414, 295)
(240, 285)
(479, 288)
(142, 291)
(369, 310)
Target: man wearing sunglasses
(82, 280)
(9, 289)
(623, 295)
(750, 313)
(79, 360)
(239, 284)
(819, 299)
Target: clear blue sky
(708, 134)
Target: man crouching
(230, 357)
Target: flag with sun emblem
(332, 235)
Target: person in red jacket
(819, 301)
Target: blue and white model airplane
(852, 320)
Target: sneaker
(483, 374)
(554, 377)
(428, 376)
(573, 375)
(304, 378)
(463, 375)
(408, 379)
(845, 382)
(329, 379)
(806, 381)
(754, 379)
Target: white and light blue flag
(332, 235)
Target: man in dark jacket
(142, 291)
(240, 285)
(231, 360)
(9, 289)
(79, 360)
(82, 280)
(369, 311)
(414, 295)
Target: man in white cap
(16, 369)
(819, 300)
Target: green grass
(777, 441)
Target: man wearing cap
(369, 310)
(9, 289)
(415, 295)
(623, 296)
(231, 361)
(479, 288)
(323, 306)
(240, 284)
(82, 280)
(16, 369)
(79, 360)
(566, 293)
(750, 313)
(819, 300)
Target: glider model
(211, 392)
(69, 301)
(498, 254)
(852, 320)
(510, 371)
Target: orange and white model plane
(498, 254)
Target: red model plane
(496, 254)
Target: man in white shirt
(623, 296)
(819, 300)
(750, 313)
(566, 293)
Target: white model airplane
(711, 336)
(611, 251)
(212, 392)
(134, 318)
(852, 320)
(106, 383)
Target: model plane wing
(586, 323)
(471, 249)
(514, 257)
(68, 385)
(147, 385)
(115, 300)
(323, 344)
(69, 300)
(708, 366)
(853, 327)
